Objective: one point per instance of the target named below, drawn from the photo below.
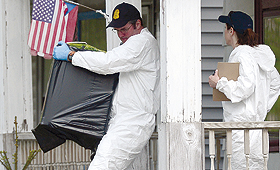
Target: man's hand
(61, 51)
(213, 79)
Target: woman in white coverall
(255, 91)
(136, 100)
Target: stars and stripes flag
(52, 21)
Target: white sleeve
(241, 89)
(125, 58)
(274, 90)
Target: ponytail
(249, 37)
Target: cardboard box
(231, 72)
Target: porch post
(15, 72)
(181, 134)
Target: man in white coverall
(136, 100)
(255, 91)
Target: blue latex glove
(61, 51)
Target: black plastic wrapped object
(77, 107)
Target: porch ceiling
(95, 4)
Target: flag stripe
(40, 34)
(47, 38)
(64, 24)
(44, 32)
(34, 35)
(37, 34)
(56, 30)
(71, 24)
(31, 32)
(53, 30)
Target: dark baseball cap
(238, 20)
(123, 13)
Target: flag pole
(106, 16)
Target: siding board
(212, 3)
(210, 63)
(212, 38)
(206, 89)
(212, 52)
(211, 13)
(212, 115)
(212, 26)
(207, 102)
(205, 76)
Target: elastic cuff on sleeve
(221, 83)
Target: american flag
(52, 21)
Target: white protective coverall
(136, 100)
(252, 96)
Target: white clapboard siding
(212, 52)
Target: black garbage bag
(76, 107)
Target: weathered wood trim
(186, 146)
(259, 19)
(270, 4)
(241, 125)
(26, 136)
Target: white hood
(264, 57)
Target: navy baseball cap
(238, 20)
(123, 13)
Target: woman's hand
(213, 79)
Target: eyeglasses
(123, 30)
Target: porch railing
(68, 156)
(224, 130)
(71, 156)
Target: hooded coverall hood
(264, 57)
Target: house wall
(212, 52)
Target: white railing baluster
(229, 147)
(265, 148)
(218, 155)
(212, 148)
(247, 147)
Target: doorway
(267, 25)
(267, 18)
